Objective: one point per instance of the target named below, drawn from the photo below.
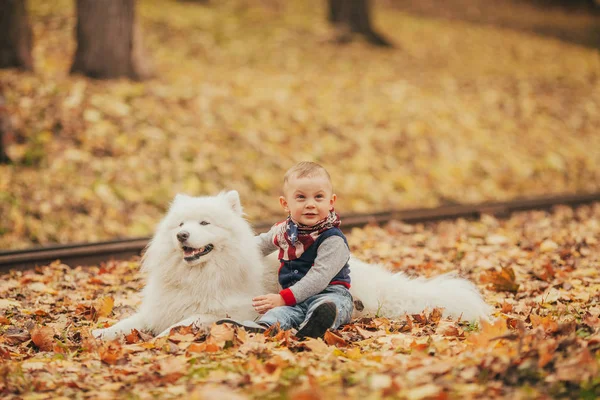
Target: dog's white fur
(223, 282)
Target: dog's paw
(164, 333)
(105, 334)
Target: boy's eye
(299, 197)
(204, 223)
(319, 196)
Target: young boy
(313, 252)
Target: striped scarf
(293, 238)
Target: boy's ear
(284, 203)
(332, 201)
(233, 199)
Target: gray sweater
(332, 255)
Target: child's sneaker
(249, 326)
(322, 318)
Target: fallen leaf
(502, 281)
(43, 337)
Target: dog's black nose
(183, 236)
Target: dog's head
(196, 228)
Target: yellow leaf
(104, 306)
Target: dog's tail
(383, 293)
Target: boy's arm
(332, 255)
(265, 242)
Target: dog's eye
(181, 224)
(204, 223)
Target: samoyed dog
(203, 265)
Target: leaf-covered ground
(457, 112)
(538, 270)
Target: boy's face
(308, 199)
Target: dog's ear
(179, 197)
(233, 199)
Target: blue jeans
(293, 316)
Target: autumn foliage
(542, 342)
(456, 112)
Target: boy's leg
(288, 317)
(327, 310)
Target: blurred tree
(15, 35)
(109, 41)
(6, 134)
(354, 17)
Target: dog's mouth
(191, 253)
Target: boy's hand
(264, 303)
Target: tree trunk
(15, 35)
(109, 41)
(6, 134)
(354, 17)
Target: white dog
(203, 265)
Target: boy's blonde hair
(305, 169)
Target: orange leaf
(43, 338)
(547, 323)
(196, 348)
(546, 351)
(488, 333)
(332, 339)
(110, 353)
(133, 337)
(209, 346)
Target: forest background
(468, 105)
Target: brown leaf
(4, 353)
(365, 334)
(16, 335)
(578, 368)
(87, 311)
(546, 351)
(435, 315)
(171, 369)
(502, 281)
(43, 337)
(593, 321)
(221, 334)
(420, 319)
(312, 393)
